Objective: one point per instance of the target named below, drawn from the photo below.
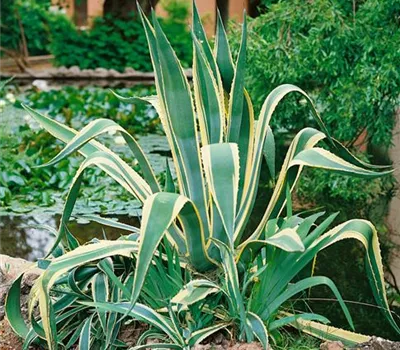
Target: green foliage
(347, 59)
(213, 272)
(355, 197)
(37, 24)
(116, 44)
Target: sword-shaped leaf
(154, 227)
(327, 332)
(98, 127)
(66, 134)
(221, 168)
(142, 313)
(258, 328)
(300, 286)
(323, 159)
(85, 336)
(290, 319)
(199, 33)
(69, 261)
(208, 98)
(201, 334)
(195, 291)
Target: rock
(114, 73)
(377, 343)
(62, 71)
(85, 73)
(74, 70)
(101, 72)
(31, 72)
(230, 346)
(53, 72)
(41, 84)
(332, 345)
(219, 338)
(11, 268)
(129, 70)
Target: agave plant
(218, 147)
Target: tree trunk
(223, 7)
(125, 8)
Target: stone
(53, 72)
(86, 73)
(31, 72)
(62, 71)
(74, 70)
(332, 345)
(129, 70)
(101, 72)
(41, 85)
(377, 343)
(11, 268)
(230, 346)
(114, 73)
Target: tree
(223, 7)
(124, 8)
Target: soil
(8, 339)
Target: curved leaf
(300, 286)
(221, 168)
(142, 313)
(258, 328)
(98, 127)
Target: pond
(24, 145)
(30, 196)
(23, 236)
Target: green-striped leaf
(258, 328)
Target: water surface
(20, 238)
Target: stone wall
(394, 209)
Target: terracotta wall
(95, 8)
(207, 9)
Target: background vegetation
(112, 43)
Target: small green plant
(213, 271)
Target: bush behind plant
(114, 43)
(37, 22)
(347, 58)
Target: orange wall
(95, 8)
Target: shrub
(193, 233)
(347, 58)
(116, 44)
(36, 21)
